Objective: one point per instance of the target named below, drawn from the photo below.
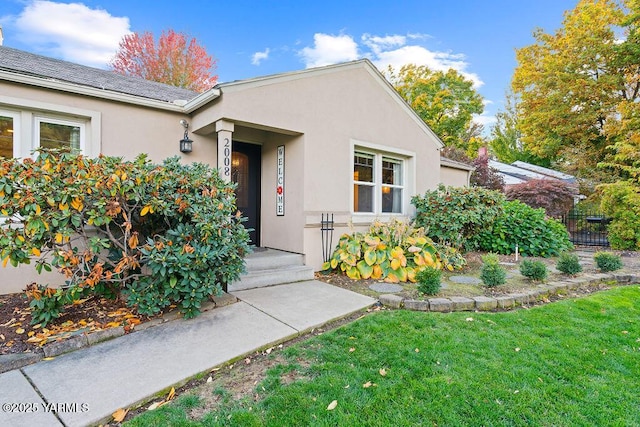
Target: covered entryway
(246, 162)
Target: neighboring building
(519, 172)
(336, 139)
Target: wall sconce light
(186, 145)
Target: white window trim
(408, 179)
(29, 109)
(403, 178)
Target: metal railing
(587, 228)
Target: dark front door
(245, 171)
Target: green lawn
(570, 363)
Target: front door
(246, 160)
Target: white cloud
(72, 31)
(328, 49)
(258, 57)
(390, 50)
(484, 119)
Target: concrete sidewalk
(88, 385)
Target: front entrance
(246, 162)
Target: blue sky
(255, 38)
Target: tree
(446, 101)
(569, 85)
(486, 176)
(506, 143)
(172, 60)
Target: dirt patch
(18, 335)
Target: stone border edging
(504, 302)
(9, 362)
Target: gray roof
(21, 62)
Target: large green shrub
(621, 202)
(158, 234)
(522, 225)
(394, 251)
(455, 215)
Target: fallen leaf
(2, 337)
(469, 319)
(247, 361)
(19, 331)
(48, 358)
(347, 386)
(352, 349)
(209, 380)
(171, 394)
(332, 405)
(367, 384)
(119, 415)
(517, 349)
(625, 332)
(417, 350)
(269, 350)
(154, 405)
(383, 372)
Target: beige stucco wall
(335, 111)
(454, 177)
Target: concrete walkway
(88, 385)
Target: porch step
(271, 267)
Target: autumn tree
(505, 140)
(175, 59)
(569, 85)
(446, 101)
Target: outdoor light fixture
(186, 145)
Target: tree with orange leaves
(175, 59)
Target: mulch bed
(18, 335)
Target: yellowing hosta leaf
(391, 278)
(395, 264)
(449, 267)
(332, 405)
(370, 256)
(414, 249)
(411, 274)
(401, 274)
(325, 266)
(365, 270)
(334, 263)
(372, 241)
(396, 252)
(428, 259)
(353, 273)
(377, 272)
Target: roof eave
(90, 91)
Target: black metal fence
(587, 228)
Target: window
(378, 183)
(54, 133)
(9, 135)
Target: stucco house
(336, 139)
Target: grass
(570, 363)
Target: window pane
(54, 135)
(362, 198)
(363, 167)
(6, 137)
(391, 200)
(391, 172)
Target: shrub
(534, 270)
(455, 215)
(607, 261)
(552, 195)
(393, 251)
(569, 264)
(492, 274)
(621, 202)
(526, 227)
(158, 235)
(429, 280)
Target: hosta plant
(393, 251)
